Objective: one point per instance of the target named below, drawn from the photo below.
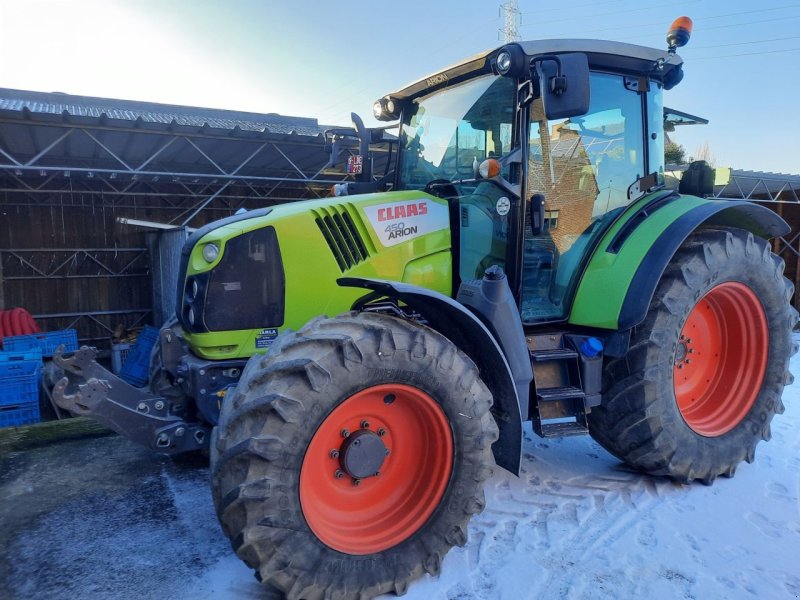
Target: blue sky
(325, 59)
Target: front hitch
(87, 389)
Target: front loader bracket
(87, 389)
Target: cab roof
(616, 57)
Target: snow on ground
(104, 519)
(576, 524)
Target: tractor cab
(538, 147)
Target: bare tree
(703, 152)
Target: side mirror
(564, 82)
(537, 213)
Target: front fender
(471, 336)
(619, 282)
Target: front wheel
(705, 371)
(351, 458)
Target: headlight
(511, 61)
(190, 316)
(386, 109)
(210, 252)
(503, 62)
(195, 288)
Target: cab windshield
(443, 139)
(449, 131)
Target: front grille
(246, 290)
(340, 233)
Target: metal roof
(13, 102)
(57, 143)
(760, 185)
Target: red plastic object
(17, 321)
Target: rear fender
(619, 282)
(471, 336)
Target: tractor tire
(350, 459)
(705, 371)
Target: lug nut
(687, 361)
(334, 453)
(381, 432)
(388, 452)
(338, 474)
(377, 473)
(364, 424)
(356, 482)
(345, 433)
(180, 431)
(142, 407)
(159, 405)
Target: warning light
(679, 33)
(489, 168)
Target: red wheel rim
(382, 510)
(721, 359)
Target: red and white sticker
(398, 222)
(355, 165)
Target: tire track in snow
(553, 518)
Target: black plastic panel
(246, 290)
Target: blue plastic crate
(8, 359)
(135, 369)
(19, 378)
(48, 342)
(21, 414)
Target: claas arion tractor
(357, 365)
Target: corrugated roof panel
(42, 103)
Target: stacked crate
(19, 387)
(135, 368)
(21, 371)
(47, 342)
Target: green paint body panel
(311, 268)
(604, 284)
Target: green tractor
(525, 263)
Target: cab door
(583, 166)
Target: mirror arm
(513, 157)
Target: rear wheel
(351, 458)
(705, 371)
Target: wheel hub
(362, 454)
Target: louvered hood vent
(342, 236)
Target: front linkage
(87, 389)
